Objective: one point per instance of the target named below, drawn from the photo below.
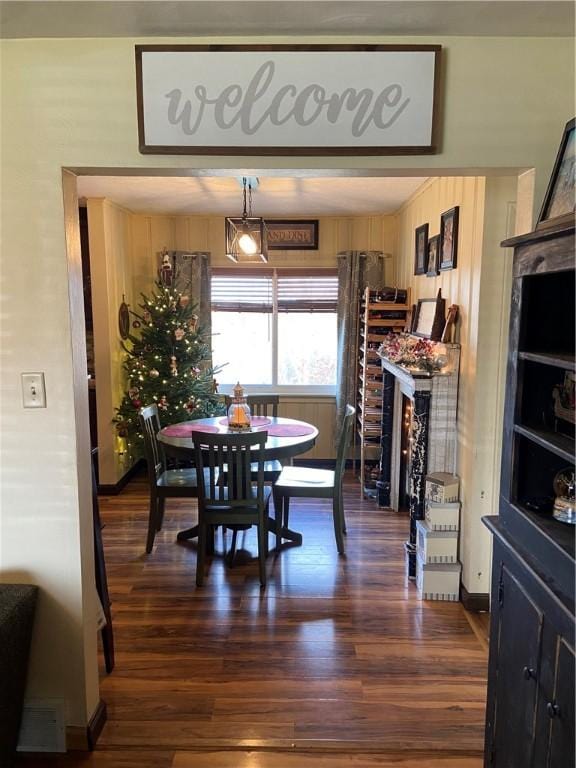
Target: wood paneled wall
(480, 287)
(109, 229)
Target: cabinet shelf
(558, 360)
(561, 445)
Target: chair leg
(232, 547)
(262, 547)
(286, 511)
(160, 507)
(342, 513)
(201, 559)
(152, 524)
(278, 517)
(210, 539)
(337, 515)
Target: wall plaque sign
(281, 99)
(292, 235)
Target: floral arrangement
(413, 352)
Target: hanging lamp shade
(246, 240)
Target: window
(275, 328)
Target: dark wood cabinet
(530, 705)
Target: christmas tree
(167, 363)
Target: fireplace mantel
(433, 429)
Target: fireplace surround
(432, 434)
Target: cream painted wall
(72, 103)
(480, 285)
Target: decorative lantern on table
(239, 417)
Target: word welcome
(257, 105)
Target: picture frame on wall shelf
(433, 255)
(449, 239)
(421, 249)
(559, 201)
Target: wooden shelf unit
(376, 320)
(530, 702)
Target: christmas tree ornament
(193, 323)
(173, 366)
(147, 316)
(179, 334)
(136, 324)
(184, 301)
(154, 373)
(132, 392)
(163, 403)
(166, 269)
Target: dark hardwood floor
(337, 663)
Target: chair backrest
(150, 426)
(344, 444)
(225, 466)
(259, 404)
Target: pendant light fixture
(246, 236)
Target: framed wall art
(303, 99)
(421, 249)
(433, 254)
(429, 318)
(449, 239)
(559, 201)
(292, 235)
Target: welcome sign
(259, 100)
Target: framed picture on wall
(421, 250)
(433, 254)
(559, 202)
(449, 238)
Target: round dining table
(286, 438)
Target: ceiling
(142, 18)
(277, 196)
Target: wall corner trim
(84, 739)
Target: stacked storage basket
(437, 566)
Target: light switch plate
(33, 390)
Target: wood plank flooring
(337, 663)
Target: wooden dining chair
(228, 495)
(316, 483)
(164, 483)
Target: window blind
(252, 291)
(244, 292)
(307, 292)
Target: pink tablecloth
(185, 430)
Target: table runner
(185, 430)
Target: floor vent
(43, 728)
